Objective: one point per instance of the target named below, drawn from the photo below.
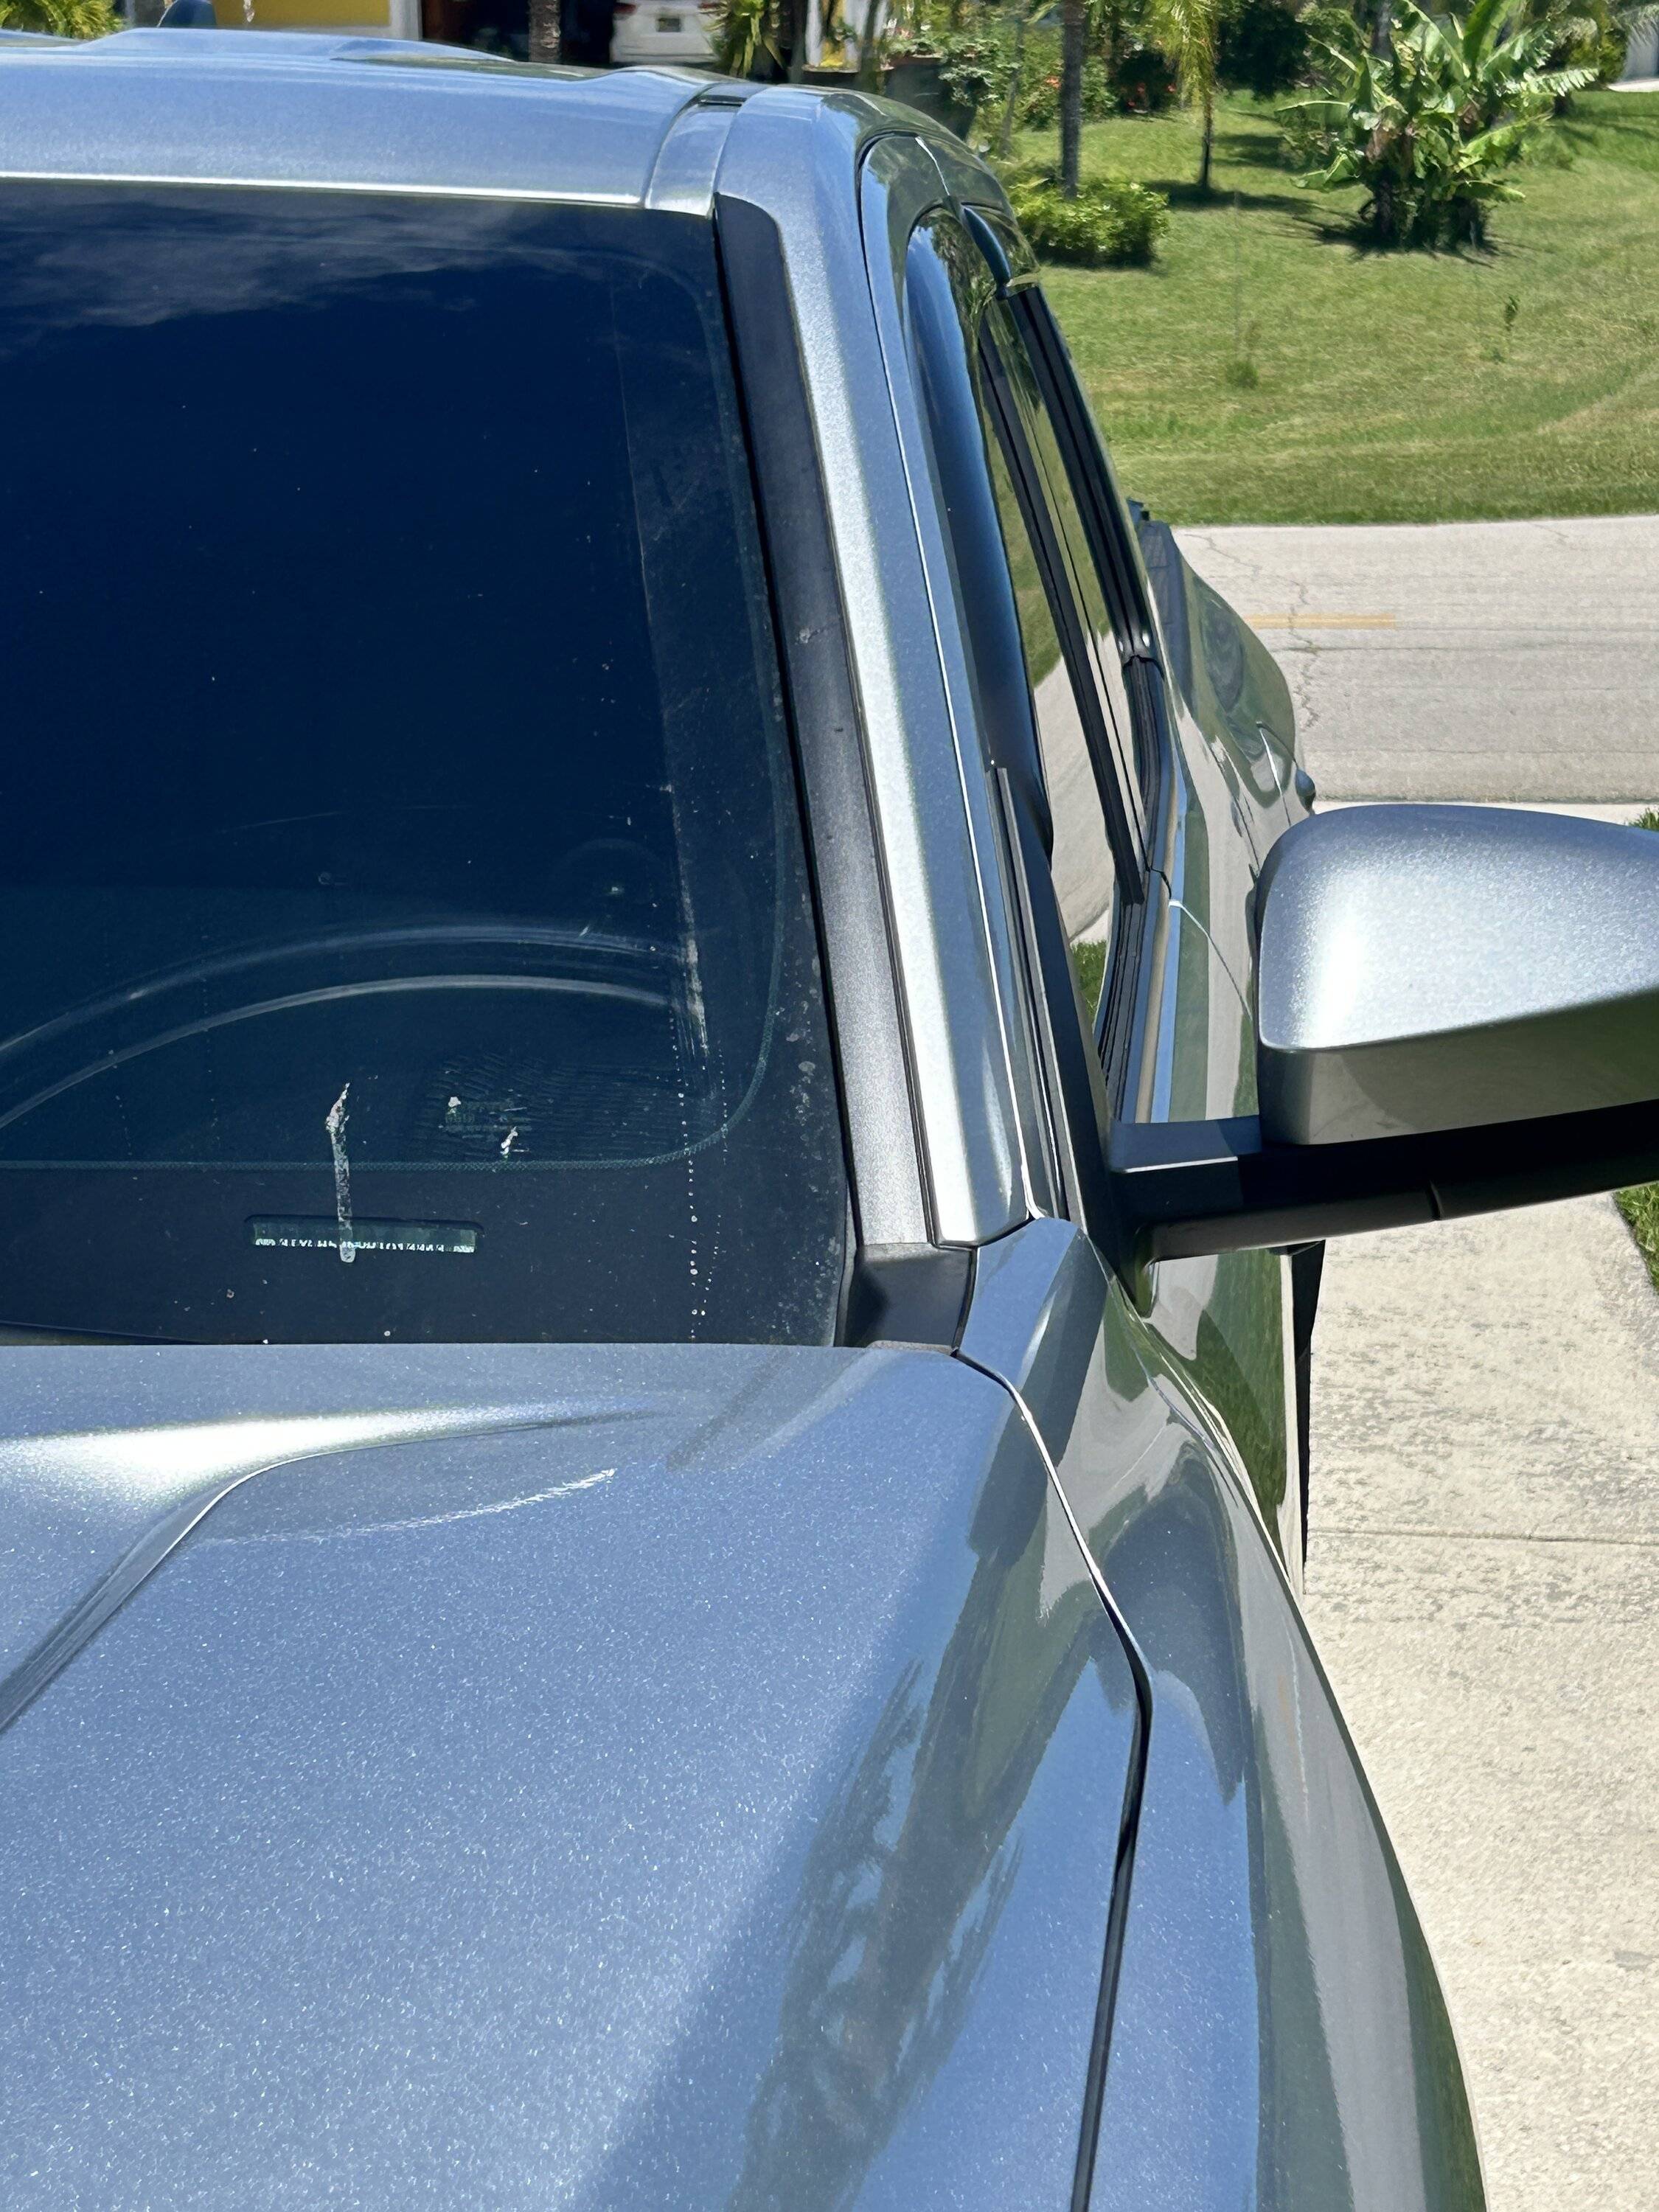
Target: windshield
(404, 917)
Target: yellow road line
(1320, 622)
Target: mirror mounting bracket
(1183, 1189)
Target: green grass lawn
(1389, 390)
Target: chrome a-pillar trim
(901, 186)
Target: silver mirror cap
(1432, 967)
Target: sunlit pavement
(1483, 1583)
(1483, 1579)
(1460, 661)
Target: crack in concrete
(1489, 1536)
(1306, 715)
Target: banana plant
(1430, 127)
(745, 32)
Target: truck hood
(512, 1775)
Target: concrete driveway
(1460, 661)
(1483, 1575)
(1482, 1583)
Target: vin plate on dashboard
(296, 1233)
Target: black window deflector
(991, 246)
(1012, 262)
(1080, 454)
(1076, 1085)
(1039, 525)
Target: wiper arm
(23, 1332)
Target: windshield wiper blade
(24, 1331)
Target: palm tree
(1073, 41)
(61, 19)
(1187, 31)
(544, 30)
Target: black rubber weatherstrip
(843, 850)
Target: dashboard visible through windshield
(405, 921)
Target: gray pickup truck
(675, 1048)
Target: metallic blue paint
(696, 1776)
(218, 107)
(1280, 2038)
(1227, 1320)
(700, 1784)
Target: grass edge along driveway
(1640, 1206)
(1388, 388)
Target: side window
(1082, 862)
(1020, 398)
(1118, 561)
(1070, 857)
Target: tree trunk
(1208, 144)
(1011, 105)
(1072, 37)
(870, 48)
(1384, 217)
(544, 30)
(1382, 26)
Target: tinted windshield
(405, 919)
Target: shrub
(1428, 129)
(1325, 25)
(1111, 224)
(1144, 81)
(1039, 99)
(978, 64)
(1261, 47)
(1592, 34)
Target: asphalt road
(1460, 661)
(1483, 1575)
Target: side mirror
(1457, 1010)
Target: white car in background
(659, 31)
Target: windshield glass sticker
(317, 1233)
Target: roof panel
(286, 108)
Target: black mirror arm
(1186, 1188)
